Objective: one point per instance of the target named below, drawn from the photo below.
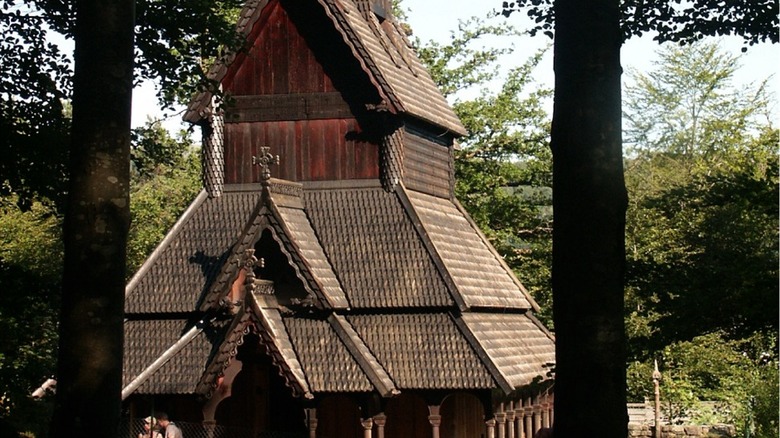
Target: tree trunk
(589, 201)
(89, 373)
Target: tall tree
(703, 216)
(89, 371)
(589, 203)
(589, 197)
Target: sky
(436, 19)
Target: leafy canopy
(754, 21)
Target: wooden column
(528, 418)
(367, 424)
(519, 422)
(546, 410)
(537, 414)
(311, 420)
(552, 410)
(435, 419)
(491, 428)
(501, 423)
(379, 421)
(510, 421)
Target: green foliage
(503, 169)
(459, 65)
(30, 271)
(176, 42)
(687, 105)
(701, 240)
(167, 180)
(702, 222)
(672, 20)
(34, 81)
(737, 379)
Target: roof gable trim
(158, 363)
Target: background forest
(701, 166)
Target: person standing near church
(171, 429)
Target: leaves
(673, 20)
(701, 236)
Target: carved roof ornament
(251, 262)
(265, 160)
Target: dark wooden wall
(286, 98)
(407, 416)
(309, 150)
(462, 416)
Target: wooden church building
(326, 282)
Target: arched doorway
(260, 403)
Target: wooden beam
(275, 107)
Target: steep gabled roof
(374, 248)
(185, 265)
(382, 51)
(411, 296)
(479, 274)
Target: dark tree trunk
(89, 373)
(589, 200)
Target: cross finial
(265, 160)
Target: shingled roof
(445, 312)
(383, 52)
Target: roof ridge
(501, 379)
(169, 237)
(272, 339)
(402, 195)
(366, 359)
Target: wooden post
(519, 419)
(537, 406)
(657, 392)
(501, 422)
(367, 424)
(379, 421)
(434, 418)
(311, 418)
(491, 428)
(527, 415)
(510, 421)
(552, 410)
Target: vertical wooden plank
(228, 152)
(297, 142)
(349, 149)
(287, 151)
(279, 40)
(258, 55)
(330, 149)
(316, 151)
(240, 152)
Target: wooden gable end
(299, 91)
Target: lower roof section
(522, 350)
